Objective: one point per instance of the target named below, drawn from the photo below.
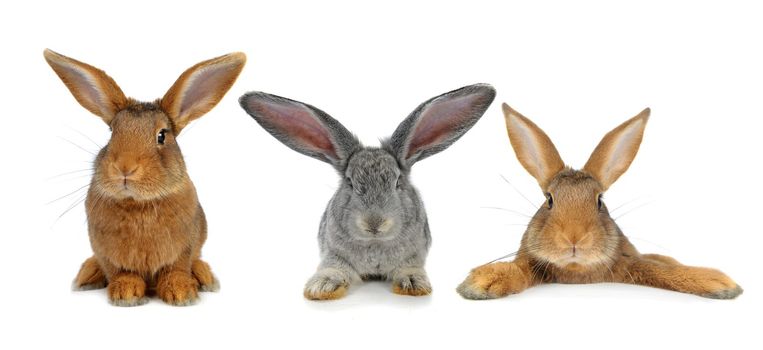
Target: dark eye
(549, 200)
(599, 202)
(162, 135)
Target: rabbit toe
(327, 284)
(413, 284)
(127, 290)
(178, 289)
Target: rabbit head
(142, 159)
(573, 227)
(375, 199)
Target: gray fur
(725, 294)
(129, 302)
(375, 226)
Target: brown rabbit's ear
(92, 88)
(200, 88)
(534, 149)
(616, 151)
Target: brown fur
(336, 294)
(145, 222)
(90, 276)
(570, 239)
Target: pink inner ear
(85, 87)
(439, 120)
(204, 84)
(298, 123)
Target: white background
(578, 70)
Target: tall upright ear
(200, 88)
(616, 151)
(302, 127)
(437, 123)
(92, 88)
(534, 149)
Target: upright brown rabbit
(572, 238)
(145, 222)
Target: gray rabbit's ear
(439, 122)
(302, 127)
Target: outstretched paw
(492, 281)
(326, 284)
(716, 285)
(413, 282)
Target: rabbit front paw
(714, 284)
(178, 288)
(127, 290)
(326, 284)
(411, 281)
(493, 281)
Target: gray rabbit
(375, 226)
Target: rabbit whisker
(624, 204)
(508, 210)
(68, 173)
(78, 146)
(517, 190)
(68, 194)
(632, 209)
(76, 203)
(85, 136)
(523, 249)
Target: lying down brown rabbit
(145, 222)
(572, 238)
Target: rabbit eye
(549, 200)
(599, 202)
(162, 135)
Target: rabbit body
(124, 235)
(375, 226)
(375, 258)
(145, 223)
(572, 238)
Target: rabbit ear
(616, 151)
(534, 149)
(302, 127)
(439, 122)
(200, 88)
(92, 88)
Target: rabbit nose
(126, 170)
(375, 224)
